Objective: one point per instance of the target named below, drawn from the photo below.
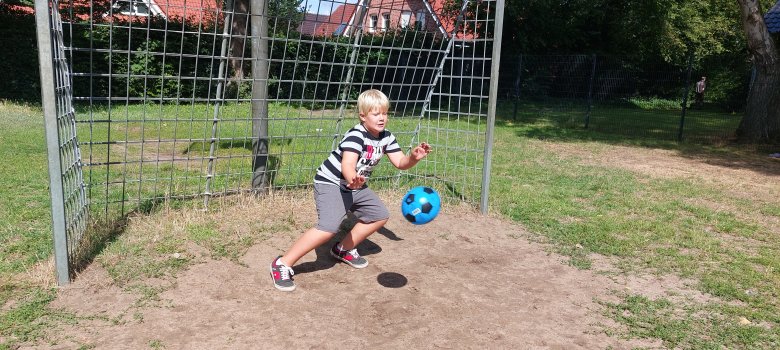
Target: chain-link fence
(153, 101)
(611, 96)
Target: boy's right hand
(419, 152)
(357, 182)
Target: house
(336, 22)
(383, 15)
(772, 19)
(310, 23)
(193, 11)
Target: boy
(340, 185)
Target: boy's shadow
(325, 260)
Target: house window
(419, 22)
(406, 17)
(131, 7)
(372, 23)
(385, 21)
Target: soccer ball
(420, 205)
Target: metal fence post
(439, 72)
(491, 115)
(685, 97)
(357, 32)
(219, 99)
(590, 92)
(49, 101)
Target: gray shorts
(333, 202)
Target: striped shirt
(369, 149)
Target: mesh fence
(69, 202)
(176, 99)
(608, 95)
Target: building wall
(398, 11)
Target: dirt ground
(464, 281)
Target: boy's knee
(330, 227)
(381, 222)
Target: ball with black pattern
(420, 205)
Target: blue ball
(420, 205)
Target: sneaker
(282, 275)
(351, 257)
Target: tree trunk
(761, 122)
(260, 62)
(239, 28)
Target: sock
(340, 248)
(280, 262)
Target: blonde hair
(372, 99)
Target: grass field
(657, 119)
(25, 243)
(137, 154)
(566, 185)
(687, 227)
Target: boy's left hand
(421, 151)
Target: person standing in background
(700, 87)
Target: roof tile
(772, 19)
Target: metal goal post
(148, 101)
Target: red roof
(198, 11)
(339, 20)
(29, 10)
(310, 23)
(193, 10)
(341, 16)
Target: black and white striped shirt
(369, 148)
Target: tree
(259, 25)
(762, 116)
(640, 30)
(283, 16)
(261, 18)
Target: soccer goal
(148, 101)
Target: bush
(143, 60)
(21, 78)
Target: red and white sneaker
(282, 275)
(351, 257)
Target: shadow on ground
(325, 261)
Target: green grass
(25, 237)
(25, 209)
(655, 119)
(648, 224)
(136, 154)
